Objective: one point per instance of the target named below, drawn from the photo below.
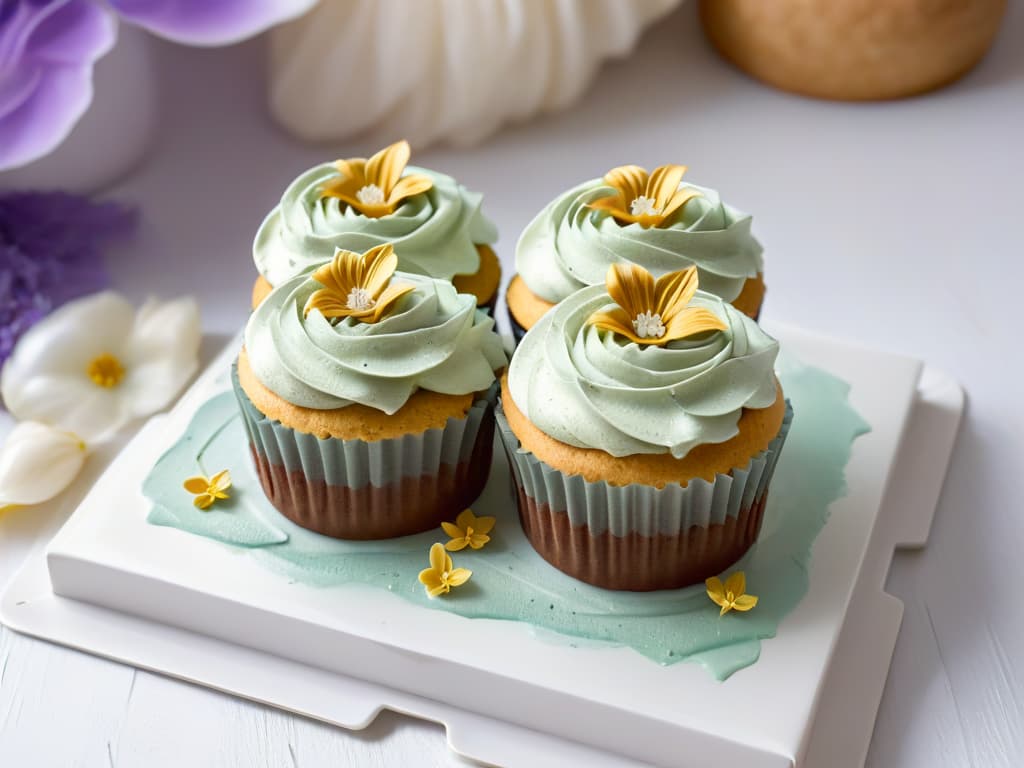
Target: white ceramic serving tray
(167, 601)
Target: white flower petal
(152, 386)
(72, 404)
(37, 462)
(163, 327)
(66, 340)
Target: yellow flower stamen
(106, 371)
(649, 200)
(208, 490)
(468, 530)
(376, 187)
(357, 285)
(441, 577)
(654, 312)
(731, 596)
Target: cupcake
(433, 221)
(656, 221)
(643, 421)
(367, 396)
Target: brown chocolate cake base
(412, 505)
(635, 562)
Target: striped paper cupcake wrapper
(640, 537)
(357, 489)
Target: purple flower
(209, 22)
(48, 48)
(50, 253)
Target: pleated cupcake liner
(639, 508)
(371, 489)
(638, 536)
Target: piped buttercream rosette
(589, 387)
(434, 223)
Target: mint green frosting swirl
(568, 246)
(434, 233)
(433, 338)
(593, 389)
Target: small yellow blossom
(649, 200)
(208, 489)
(653, 311)
(732, 595)
(440, 577)
(358, 285)
(376, 187)
(468, 530)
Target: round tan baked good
(853, 49)
(527, 307)
(757, 428)
(751, 297)
(260, 290)
(424, 410)
(483, 283)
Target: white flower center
(359, 299)
(648, 326)
(371, 194)
(643, 206)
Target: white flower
(36, 463)
(95, 364)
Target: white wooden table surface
(898, 225)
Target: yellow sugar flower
(208, 489)
(376, 186)
(654, 312)
(441, 577)
(647, 200)
(357, 285)
(731, 595)
(468, 530)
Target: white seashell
(435, 70)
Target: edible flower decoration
(731, 596)
(441, 576)
(208, 490)
(647, 200)
(654, 312)
(376, 186)
(468, 530)
(357, 285)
